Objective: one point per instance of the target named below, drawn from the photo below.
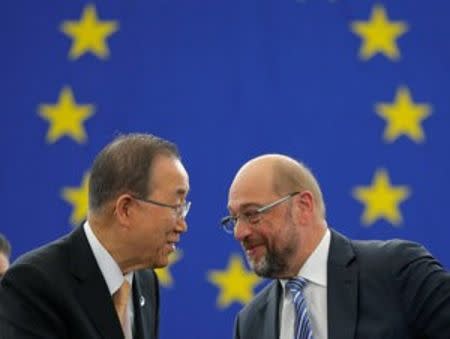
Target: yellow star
(381, 200)
(164, 275)
(78, 198)
(66, 117)
(235, 282)
(89, 34)
(379, 34)
(403, 117)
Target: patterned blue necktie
(302, 324)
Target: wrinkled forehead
(168, 173)
(251, 185)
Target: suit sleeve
(9, 331)
(27, 305)
(424, 287)
(236, 328)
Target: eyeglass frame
(181, 210)
(229, 219)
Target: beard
(271, 265)
(277, 261)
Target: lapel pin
(142, 301)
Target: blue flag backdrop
(356, 89)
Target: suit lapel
(342, 288)
(92, 290)
(143, 308)
(270, 309)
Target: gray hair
(124, 165)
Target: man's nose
(182, 225)
(241, 230)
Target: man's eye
(251, 216)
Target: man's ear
(123, 208)
(305, 204)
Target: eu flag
(358, 90)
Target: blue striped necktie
(302, 324)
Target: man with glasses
(5, 253)
(326, 285)
(96, 281)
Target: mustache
(250, 243)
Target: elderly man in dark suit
(326, 286)
(96, 282)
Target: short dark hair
(5, 246)
(124, 165)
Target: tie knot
(120, 297)
(296, 285)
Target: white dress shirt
(315, 272)
(112, 275)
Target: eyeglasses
(252, 217)
(181, 210)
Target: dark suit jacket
(375, 289)
(58, 291)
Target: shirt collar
(110, 269)
(315, 267)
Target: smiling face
(272, 243)
(156, 230)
